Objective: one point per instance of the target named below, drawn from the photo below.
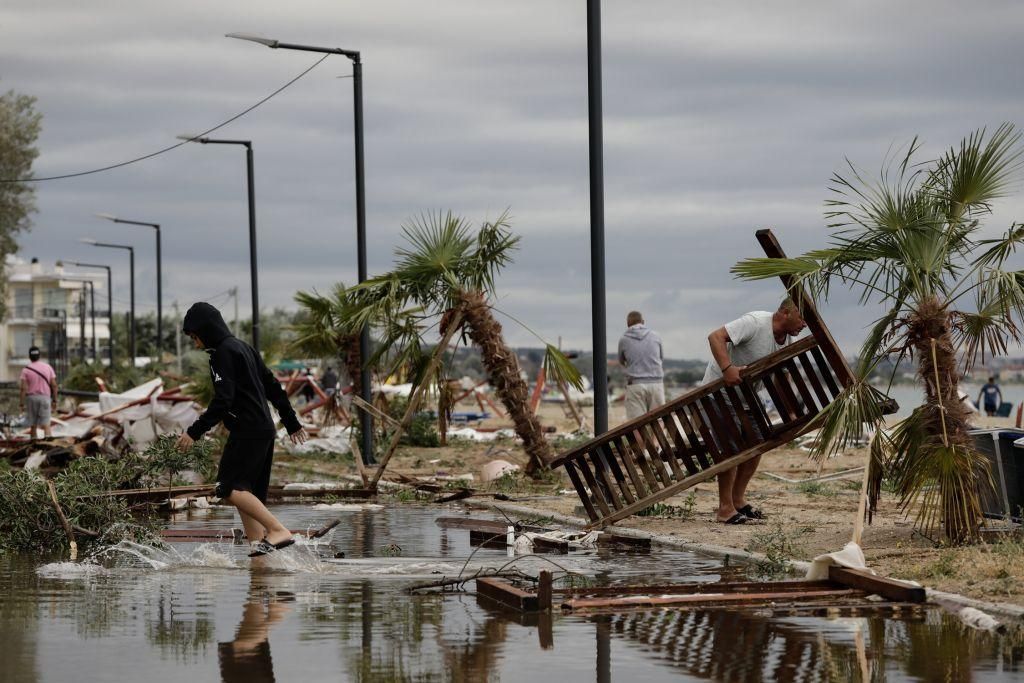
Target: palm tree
(911, 241)
(320, 331)
(446, 275)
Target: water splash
(69, 571)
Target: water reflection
(346, 622)
(247, 658)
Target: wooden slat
(812, 376)
(749, 434)
(657, 461)
(757, 410)
(616, 470)
(595, 489)
(713, 455)
(879, 585)
(698, 447)
(785, 387)
(801, 386)
(668, 453)
(787, 411)
(682, 451)
(725, 411)
(581, 490)
(636, 452)
(719, 430)
(826, 371)
(634, 476)
(602, 469)
(643, 601)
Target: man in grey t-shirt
(734, 346)
(640, 354)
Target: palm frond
(560, 369)
(845, 420)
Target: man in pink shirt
(38, 392)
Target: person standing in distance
(242, 386)
(734, 346)
(640, 354)
(993, 397)
(38, 392)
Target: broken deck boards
(890, 589)
(703, 599)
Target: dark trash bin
(1004, 409)
(1006, 465)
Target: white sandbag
(851, 556)
(495, 468)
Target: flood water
(197, 613)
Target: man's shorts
(37, 409)
(245, 466)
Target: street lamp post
(366, 421)
(252, 226)
(159, 286)
(131, 318)
(597, 281)
(110, 309)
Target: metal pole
(597, 282)
(92, 314)
(131, 327)
(252, 251)
(81, 324)
(159, 299)
(110, 317)
(366, 421)
(177, 334)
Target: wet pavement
(201, 612)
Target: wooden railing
(712, 428)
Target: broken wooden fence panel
(712, 428)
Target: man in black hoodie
(242, 386)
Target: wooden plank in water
(889, 589)
(506, 594)
(704, 587)
(705, 599)
(492, 525)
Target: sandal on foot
(738, 518)
(264, 547)
(750, 512)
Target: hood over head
(638, 331)
(206, 322)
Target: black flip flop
(749, 511)
(265, 548)
(738, 518)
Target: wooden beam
(506, 594)
(702, 588)
(890, 589)
(700, 600)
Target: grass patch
(779, 547)
(683, 511)
(816, 488)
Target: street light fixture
(366, 421)
(131, 316)
(252, 226)
(159, 279)
(110, 308)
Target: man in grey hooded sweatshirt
(640, 354)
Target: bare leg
(744, 473)
(254, 531)
(33, 432)
(726, 483)
(249, 505)
(47, 430)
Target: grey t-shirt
(750, 338)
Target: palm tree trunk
(503, 372)
(349, 347)
(946, 418)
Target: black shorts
(245, 466)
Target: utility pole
(234, 292)
(177, 334)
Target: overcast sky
(719, 118)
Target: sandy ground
(806, 520)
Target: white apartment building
(46, 308)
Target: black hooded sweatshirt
(242, 383)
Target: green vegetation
(779, 548)
(21, 124)
(683, 511)
(912, 241)
(28, 521)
